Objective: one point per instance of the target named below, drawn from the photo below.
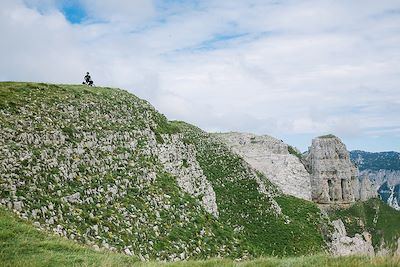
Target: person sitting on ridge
(88, 80)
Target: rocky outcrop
(390, 194)
(383, 171)
(343, 245)
(379, 177)
(386, 184)
(179, 159)
(333, 175)
(365, 189)
(271, 157)
(398, 248)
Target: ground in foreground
(23, 245)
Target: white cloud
(298, 67)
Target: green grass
(23, 245)
(294, 152)
(373, 216)
(298, 231)
(155, 219)
(327, 136)
(307, 261)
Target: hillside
(23, 245)
(104, 168)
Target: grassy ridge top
(23, 245)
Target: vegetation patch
(373, 216)
(252, 214)
(295, 152)
(327, 136)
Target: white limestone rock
(18, 205)
(333, 175)
(271, 157)
(73, 198)
(379, 177)
(343, 245)
(179, 159)
(366, 189)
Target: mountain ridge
(104, 168)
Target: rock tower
(334, 178)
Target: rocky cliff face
(386, 184)
(366, 189)
(383, 171)
(271, 157)
(333, 175)
(390, 194)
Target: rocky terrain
(334, 178)
(272, 157)
(331, 177)
(343, 245)
(324, 174)
(383, 171)
(103, 168)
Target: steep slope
(102, 167)
(383, 170)
(272, 157)
(271, 222)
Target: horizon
(293, 70)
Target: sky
(294, 70)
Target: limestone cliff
(383, 171)
(366, 190)
(343, 245)
(333, 175)
(271, 157)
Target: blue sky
(291, 69)
(73, 11)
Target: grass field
(23, 245)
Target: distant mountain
(390, 194)
(376, 161)
(383, 170)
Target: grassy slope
(155, 218)
(296, 232)
(22, 245)
(373, 216)
(247, 224)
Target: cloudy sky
(291, 69)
